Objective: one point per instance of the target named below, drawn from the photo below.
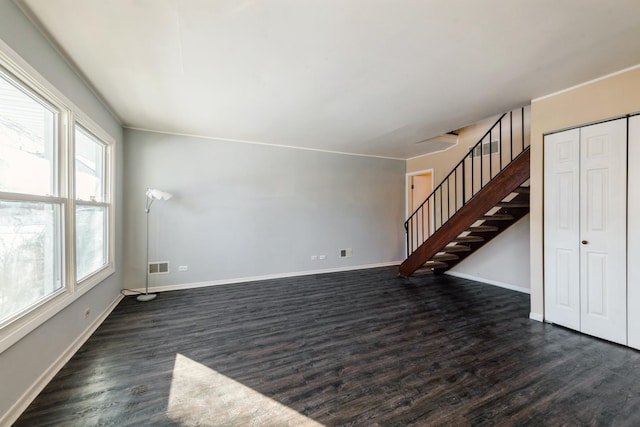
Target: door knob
(584, 242)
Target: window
(92, 211)
(31, 214)
(56, 226)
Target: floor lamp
(152, 195)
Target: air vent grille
(161, 267)
(346, 253)
(484, 149)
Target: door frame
(407, 188)
(628, 118)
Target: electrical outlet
(314, 257)
(183, 268)
(322, 257)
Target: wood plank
(483, 228)
(356, 348)
(444, 257)
(466, 239)
(515, 213)
(455, 248)
(512, 204)
(497, 217)
(435, 264)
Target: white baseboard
(182, 286)
(536, 316)
(489, 282)
(32, 392)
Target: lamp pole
(147, 296)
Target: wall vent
(346, 253)
(484, 149)
(161, 267)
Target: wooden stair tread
(497, 217)
(522, 190)
(513, 205)
(435, 264)
(468, 239)
(456, 248)
(482, 228)
(444, 257)
(494, 195)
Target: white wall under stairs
(504, 261)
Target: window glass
(91, 212)
(30, 254)
(27, 142)
(89, 155)
(91, 239)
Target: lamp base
(146, 297)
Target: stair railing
(502, 143)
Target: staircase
(484, 194)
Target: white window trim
(49, 306)
(109, 172)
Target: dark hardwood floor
(355, 348)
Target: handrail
(458, 164)
(474, 175)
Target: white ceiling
(360, 76)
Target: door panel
(603, 223)
(562, 228)
(595, 283)
(564, 270)
(633, 284)
(597, 186)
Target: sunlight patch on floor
(201, 396)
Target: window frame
(28, 79)
(102, 138)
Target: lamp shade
(156, 194)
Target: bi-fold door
(585, 229)
(633, 281)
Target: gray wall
(246, 210)
(23, 363)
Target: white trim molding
(490, 282)
(407, 187)
(536, 316)
(597, 79)
(268, 144)
(182, 286)
(36, 388)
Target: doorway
(419, 186)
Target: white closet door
(633, 284)
(603, 230)
(562, 228)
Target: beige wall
(606, 98)
(443, 161)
